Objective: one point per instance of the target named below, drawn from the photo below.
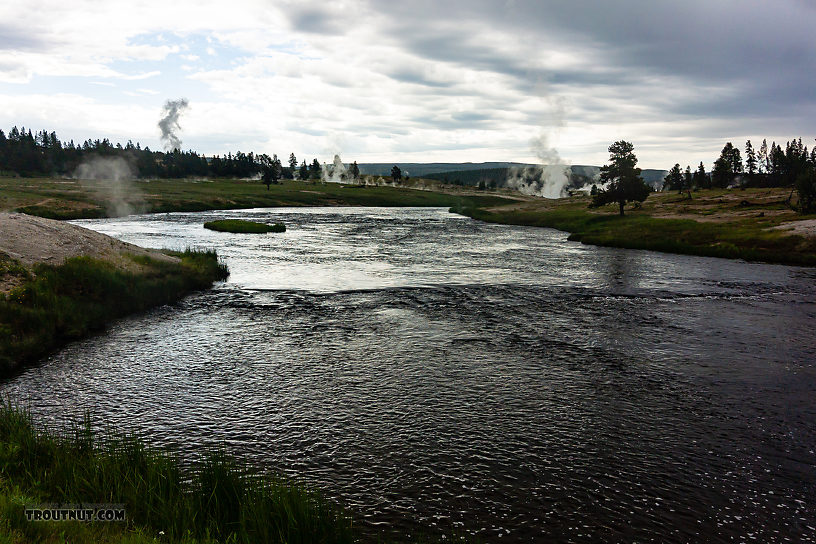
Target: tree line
(768, 166)
(43, 154)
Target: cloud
(456, 80)
(315, 21)
(17, 39)
(142, 92)
(136, 77)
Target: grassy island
(217, 500)
(240, 226)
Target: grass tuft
(243, 227)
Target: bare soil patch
(805, 227)
(32, 240)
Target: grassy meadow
(737, 224)
(58, 198)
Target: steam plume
(548, 179)
(169, 124)
(110, 179)
(336, 173)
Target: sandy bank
(32, 240)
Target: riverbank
(751, 224)
(218, 499)
(58, 198)
(60, 282)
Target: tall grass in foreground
(56, 304)
(217, 500)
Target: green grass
(218, 499)
(241, 227)
(747, 239)
(57, 304)
(71, 199)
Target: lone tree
(623, 177)
(396, 173)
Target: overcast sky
(419, 81)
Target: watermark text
(76, 512)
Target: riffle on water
(433, 373)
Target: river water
(435, 374)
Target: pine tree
(292, 165)
(721, 174)
(805, 186)
(701, 179)
(687, 180)
(396, 173)
(4, 147)
(735, 159)
(623, 178)
(764, 158)
(777, 160)
(750, 158)
(674, 179)
(315, 170)
(727, 166)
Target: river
(434, 374)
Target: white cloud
(142, 92)
(423, 80)
(145, 75)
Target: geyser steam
(169, 123)
(336, 173)
(112, 178)
(548, 179)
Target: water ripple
(434, 373)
